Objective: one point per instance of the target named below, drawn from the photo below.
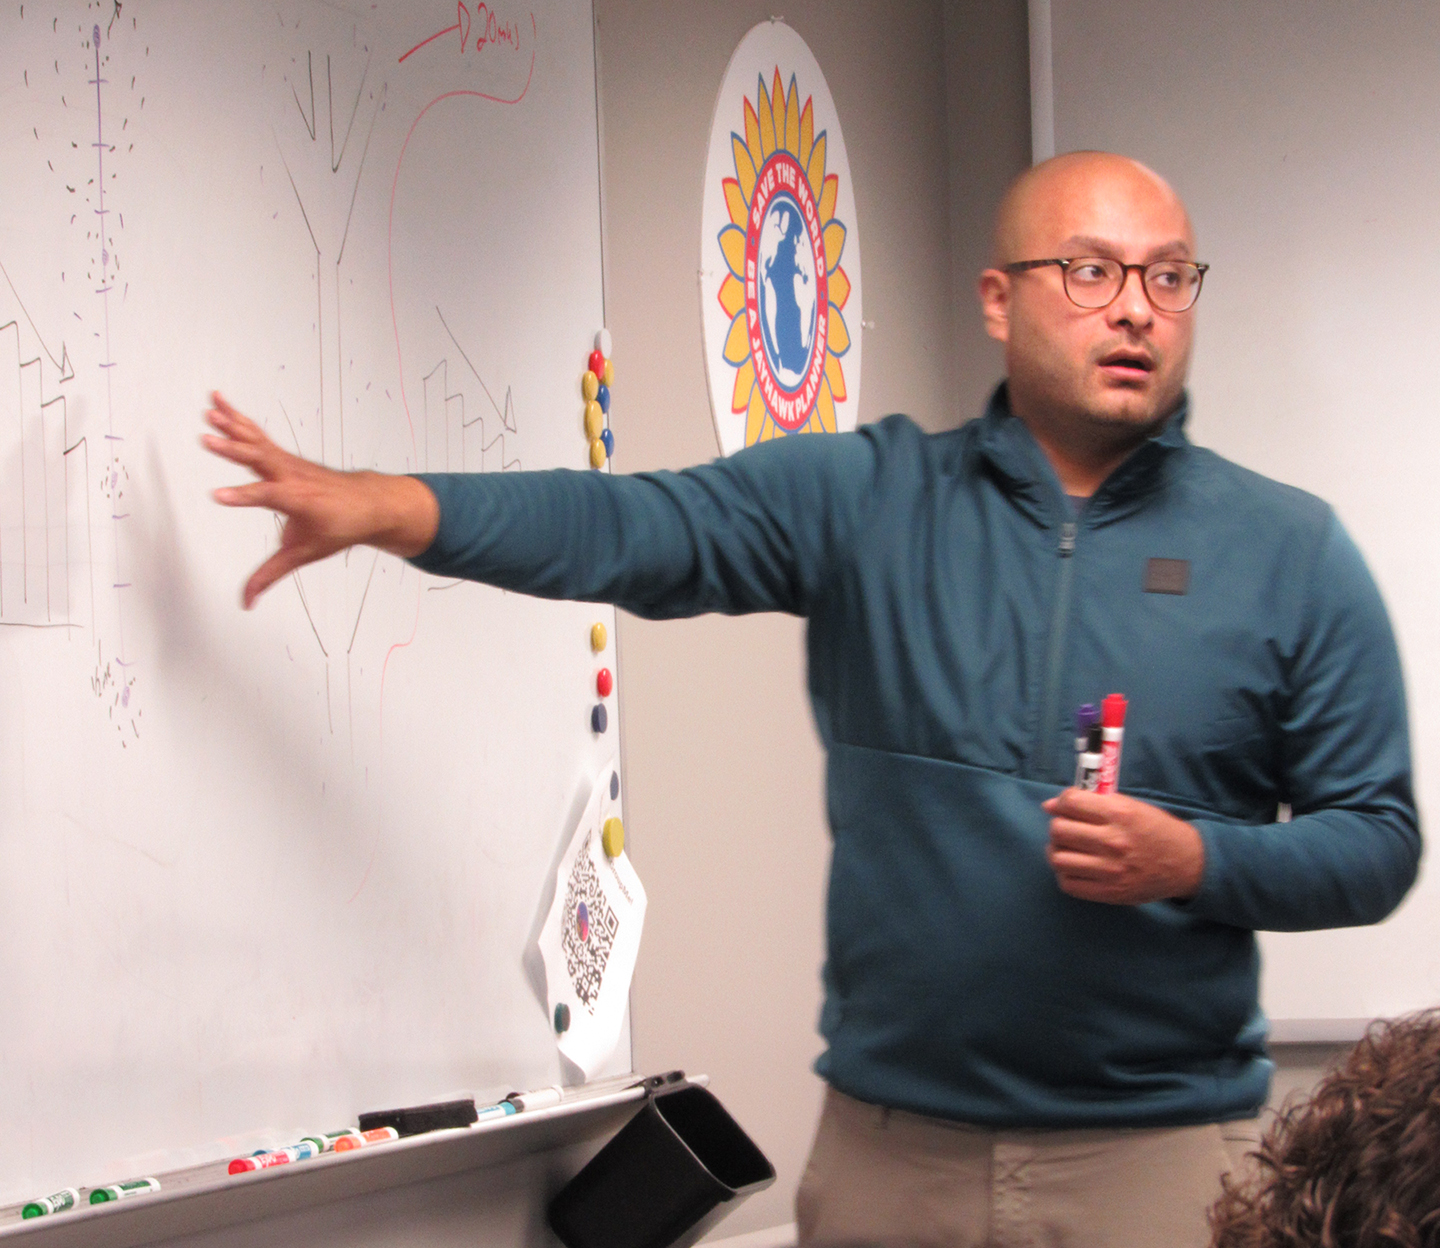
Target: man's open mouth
(1137, 363)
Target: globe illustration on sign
(787, 292)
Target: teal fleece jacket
(958, 611)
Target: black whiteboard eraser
(421, 1118)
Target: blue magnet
(608, 439)
(614, 785)
(599, 720)
(562, 1018)
(602, 397)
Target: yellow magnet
(612, 837)
(597, 454)
(594, 420)
(589, 385)
(597, 637)
(608, 376)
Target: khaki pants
(885, 1177)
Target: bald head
(1044, 204)
(1090, 383)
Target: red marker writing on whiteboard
(1112, 735)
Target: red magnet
(604, 682)
(597, 362)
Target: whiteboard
(280, 867)
(1301, 135)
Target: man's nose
(1132, 305)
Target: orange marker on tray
(377, 1135)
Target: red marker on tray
(273, 1157)
(1112, 736)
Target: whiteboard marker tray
(206, 1198)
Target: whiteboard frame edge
(1318, 1030)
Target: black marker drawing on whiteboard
(444, 412)
(505, 100)
(116, 471)
(35, 485)
(326, 200)
(338, 108)
(63, 395)
(505, 415)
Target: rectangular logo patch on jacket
(1167, 576)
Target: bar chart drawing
(46, 577)
(451, 440)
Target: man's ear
(995, 303)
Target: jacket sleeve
(754, 532)
(1351, 849)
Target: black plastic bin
(673, 1171)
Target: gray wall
(724, 769)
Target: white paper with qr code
(591, 936)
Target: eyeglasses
(1096, 281)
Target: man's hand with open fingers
(1112, 848)
(324, 510)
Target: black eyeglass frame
(1023, 266)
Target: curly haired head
(1357, 1165)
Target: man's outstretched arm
(758, 531)
(325, 511)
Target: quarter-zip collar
(1012, 455)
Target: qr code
(588, 929)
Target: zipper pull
(1067, 539)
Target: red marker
(275, 1157)
(1112, 736)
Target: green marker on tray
(326, 1143)
(119, 1191)
(58, 1203)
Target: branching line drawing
(349, 650)
(294, 436)
(326, 182)
(300, 589)
(374, 562)
(310, 120)
(319, 295)
(336, 159)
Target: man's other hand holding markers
(1116, 849)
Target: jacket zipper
(1042, 756)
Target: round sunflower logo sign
(780, 256)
